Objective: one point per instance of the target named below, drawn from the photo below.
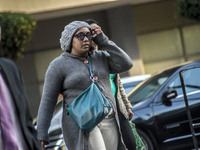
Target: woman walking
(69, 74)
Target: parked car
(130, 82)
(159, 109)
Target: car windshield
(148, 88)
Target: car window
(130, 82)
(191, 81)
(147, 89)
(57, 107)
(129, 86)
(58, 104)
(176, 85)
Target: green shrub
(16, 32)
(189, 9)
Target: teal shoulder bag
(90, 107)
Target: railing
(192, 125)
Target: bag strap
(91, 74)
(90, 67)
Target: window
(147, 89)
(191, 81)
(176, 85)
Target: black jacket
(13, 78)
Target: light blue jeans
(105, 136)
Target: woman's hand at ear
(96, 30)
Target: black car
(160, 113)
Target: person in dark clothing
(17, 131)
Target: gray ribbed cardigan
(69, 75)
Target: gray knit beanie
(68, 33)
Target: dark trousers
(127, 132)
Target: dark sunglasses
(81, 36)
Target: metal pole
(188, 110)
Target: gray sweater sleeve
(118, 60)
(51, 90)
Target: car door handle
(170, 126)
(196, 125)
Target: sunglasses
(81, 36)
